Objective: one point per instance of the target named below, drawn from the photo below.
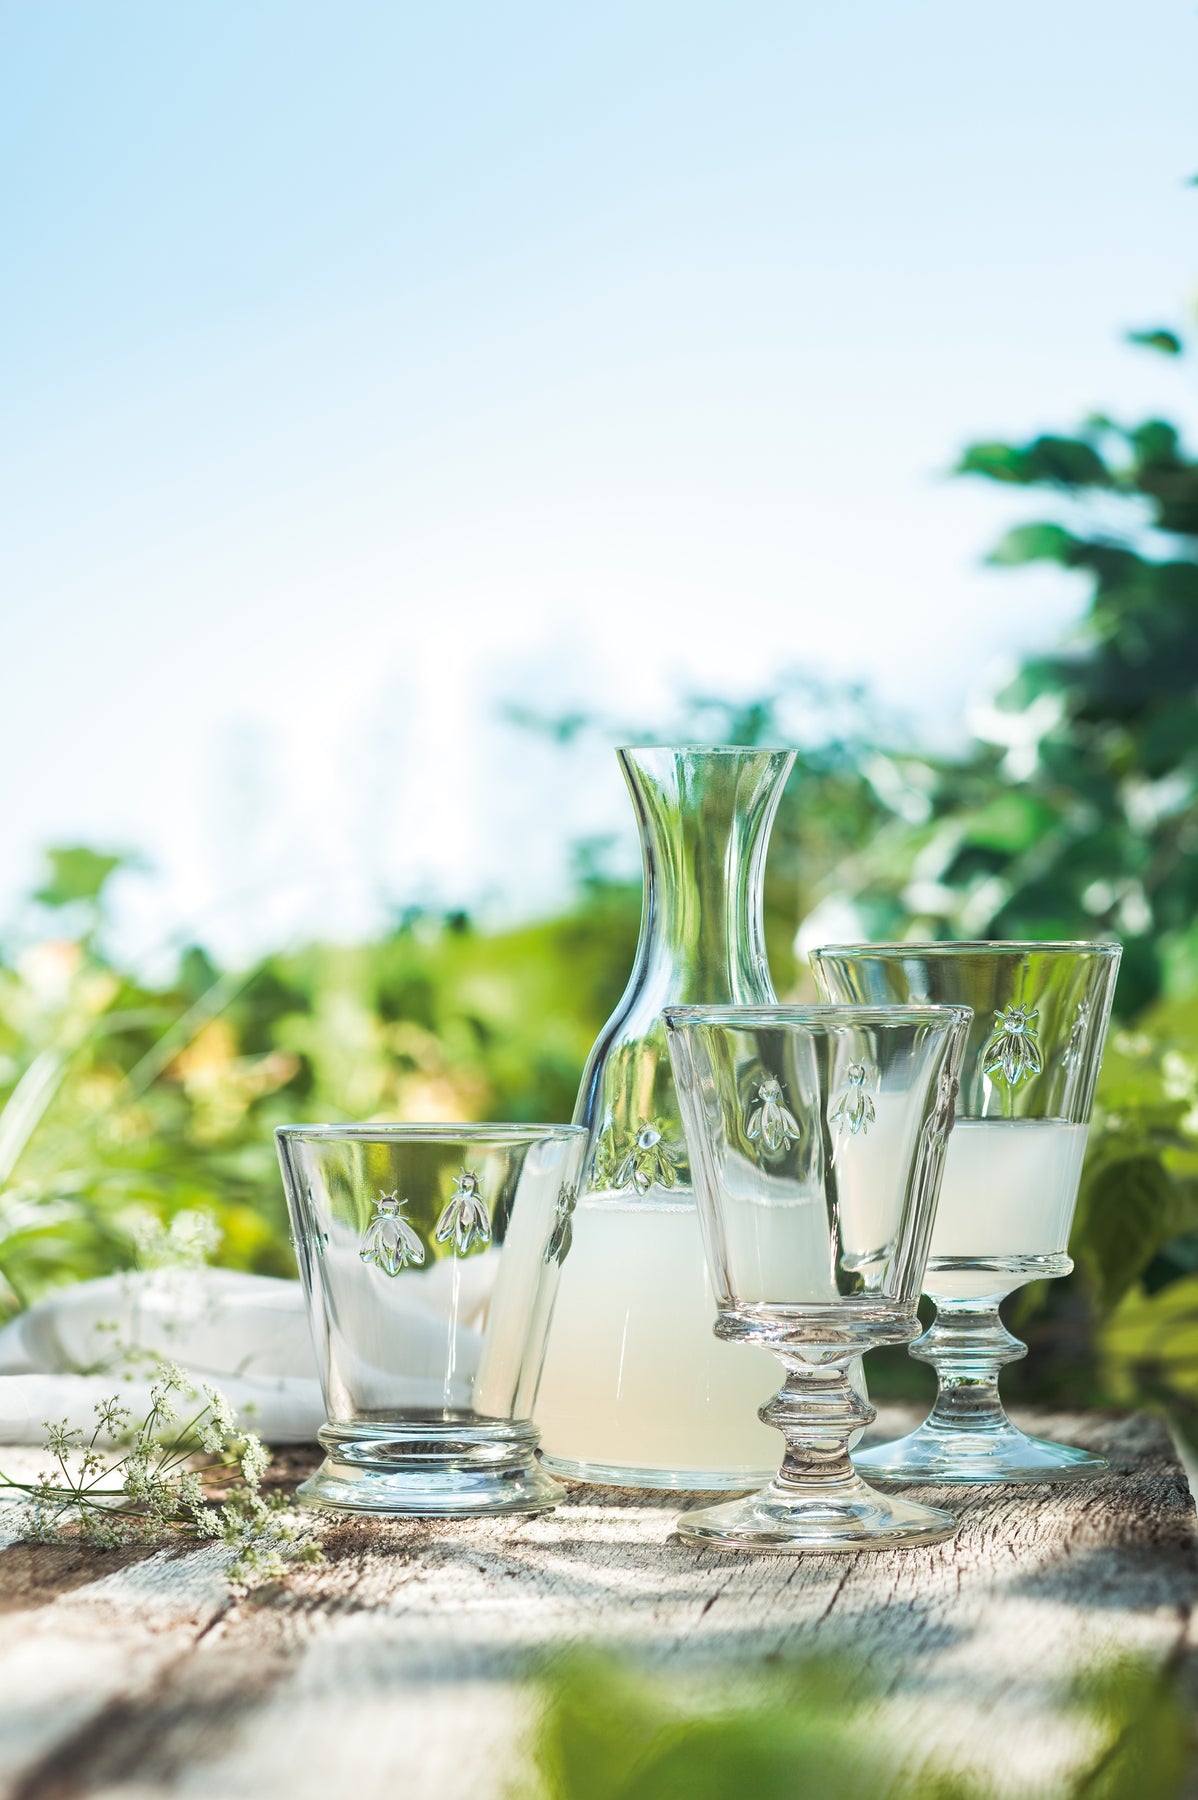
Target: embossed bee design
(1077, 1035)
(941, 1120)
(1013, 1051)
(651, 1161)
(562, 1234)
(854, 1111)
(771, 1119)
(465, 1219)
(389, 1242)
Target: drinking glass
(816, 1138)
(1010, 1181)
(430, 1258)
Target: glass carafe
(636, 1388)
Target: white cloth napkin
(245, 1334)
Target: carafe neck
(704, 818)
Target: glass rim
(438, 1131)
(915, 1013)
(973, 946)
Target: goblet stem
(817, 1501)
(968, 1345)
(967, 1437)
(817, 1410)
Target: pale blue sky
(362, 365)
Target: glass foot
(442, 1471)
(792, 1520)
(955, 1455)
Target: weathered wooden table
(399, 1667)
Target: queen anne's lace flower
(113, 1418)
(61, 1439)
(149, 1493)
(255, 1460)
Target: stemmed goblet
(816, 1138)
(1010, 1181)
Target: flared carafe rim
(714, 749)
(975, 946)
(438, 1131)
(782, 1013)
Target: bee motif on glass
(771, 1119)
(561, 1235)
(389, 1242)
(941, 1121)
(650, 1162)
(465, 1220)
(1013, 1051)
(1077, 1035)
(854, 1110)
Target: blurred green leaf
(1167, 342)
(1034, 543)
(1012, 822)
(1060, 461)
(818, 1731)
(76, 873)
(1129, 1208)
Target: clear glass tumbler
(430, 1257)
(816, 1138)
(1010, 1181)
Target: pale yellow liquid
(633, 1376)
(1009, 1189)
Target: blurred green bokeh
(124, 1102)
(818, 1728)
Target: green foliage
(124, 1102)
(1139, 1200)
(1167, 342)
(1059, 461)
(76, 874)
(1127, 1199)
(1078, 813)
(818, 1730)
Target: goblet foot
(955, 1455)
(967, 1437)
(788, 1519)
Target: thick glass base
(788, 1520)
(444, 1469)
(957, 1456)
(696, 1481)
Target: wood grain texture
(400, 1666)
